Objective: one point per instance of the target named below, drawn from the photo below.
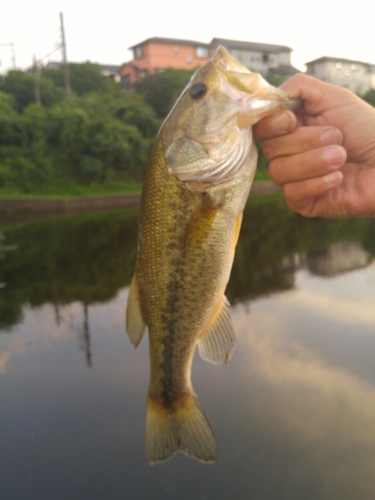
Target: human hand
(324, 158)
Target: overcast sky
(103, 31)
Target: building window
(138, 52)
(176, 49)
(188, 59)
(143, 73)
(265, 58)
(201, 51)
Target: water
(293, 412)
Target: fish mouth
(251, 91)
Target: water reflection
(293, 412)
(89, 258)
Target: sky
(103, 32)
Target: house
(157, 54)
(357, 76)
(264, 58)
(112, 70)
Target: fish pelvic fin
(184, 428)
(135, 326)
(217, 344)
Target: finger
(301, 140)
(303, 197)
(318, 96)
(275, 125)
(306, 165)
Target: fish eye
(198, 90)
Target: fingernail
(333, 178)
(282, 122)
(333, 156)
(331, 136)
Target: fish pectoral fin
(184, 428)
(135, 326)
(217, 344)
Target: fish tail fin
(185, 428)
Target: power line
(37, 62)
(68, 89)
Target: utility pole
(36, 82)
(68, 89)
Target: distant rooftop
(177, 41)
(337, 59)
(215, 42)
(241, 45)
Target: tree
(369, 97)
(91, 138)
(84, 78)
(277, 80)
(21, 85)
(161, 90)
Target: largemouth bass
(197, 183)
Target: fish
(196, 185)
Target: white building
(357, 76)
(263, 58)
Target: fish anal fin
(135, 325)
(217, 344)
(184, 428)
(237, 230)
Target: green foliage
(21, 86)
(84, 78)
(262, 160)
(93, 138)
(49, 93)
(277, 80)
(161, 90)
(6, 104)
(369, 97)
(24, 158)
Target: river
(293, 411)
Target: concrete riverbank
(14, 210)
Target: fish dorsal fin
(135, 326)
(217, 344)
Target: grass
(74, 189)
(262, 175)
